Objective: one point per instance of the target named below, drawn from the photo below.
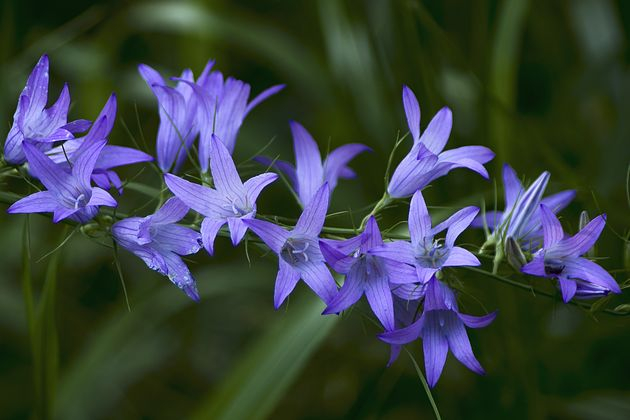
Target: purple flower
(560, 258)
(159, 242)
(298, 251)
(223, 105)
(365, 274)
(69, 193)
(521, 218)
(178, 107)
(110, 157)
(424, 252)
(442, 327)
(309, 172)
(426, 161)
(232, 201)
(33, 123)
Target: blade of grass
(265, 373)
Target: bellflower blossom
(159, 242)
(109, 158)
(442, 327)
(223, 105)
(560, 258)
(33, 123)
(299, 255)
(310, 172)
(178, 107)
(365, 274)
(232, 201)
(424, 252)
(426, 161)
(69, 193)
(521, 219)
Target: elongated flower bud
(515, 256)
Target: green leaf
(268, 369)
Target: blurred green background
(544, 84)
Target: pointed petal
(552, 229)
(203, 200)
(435, 348)
(379, 296)
(582, 241)
(100, 197)
(535, 267)
(37, 85)
(256, 184)
(493, 219)
(237, 229)
(568, 288)
(412, 112)
(273, 235)
(262, 96)
(179, 274)
(400, 251)
(114, 156)
(456, 224)
(581, 268)
(419, 219)
(53, 176)
(460, 344)
(209, 229)
(338, 261)
(409, 292)
(461, 257)
(348, 295)
(372, 235)
(437, 132)
(479, 154)
(178, 239)
(337, 160)
(558, 201)
(477, 321)
(61, 213)
(286, 280)
(347, 246)
(226, 178)
(150, 76)
(512, 187)
(39, 202)
(86, 157)
(399, 273)
(312, 218)
(173, 134)
(319, 279)
(308, 163)
(526, 207)
(403, 335)
(172, 211)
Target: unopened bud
(514, 254)
(584, 219)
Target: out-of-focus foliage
(545, 84)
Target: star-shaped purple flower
(424, 252)
(365, 274)
(560, 258)
(310, 172)
(159, 242)
(109, 158)
(33, 123)
(521, 219)
(442, 327)
(69, 193)
(232, 201)
(299, 255)
(426, 160)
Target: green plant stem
(380, 205)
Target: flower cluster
(407, 282)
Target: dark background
(544, 84)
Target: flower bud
(514, 254)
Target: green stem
(380, 205)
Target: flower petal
(437, 132)
(273, 235)
(262, 96)
(350, 292)
(209, 229)
(552, 229)
(512, 187)
(226, 178)
(460, 257)
(567, 287)
(337, 260)
(460, 344)
(419, 219)
(403, 335)
(308, 163)
(286, 280)
(173, 210)
(312, 218)
(581, 268)
(379, 296)
(435, 348)
(100, 197)
(477, 321)
(319, 279)
(237, 229)
(337, 160)
(178, 239)
(412, 112)
(39, 202)
(256, 184)
(400, 251)
(204, 200)
(582, 241)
